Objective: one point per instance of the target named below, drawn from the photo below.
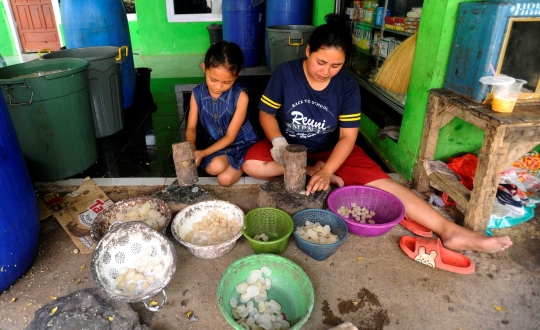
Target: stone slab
(273, 194)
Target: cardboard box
(394, 19)
(78, 210)
(411, 20)
(48, 204)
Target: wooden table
(508, 136)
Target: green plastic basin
(291, 287)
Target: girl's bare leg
(226, 174)
(229, 177)
(262, 170)
(218, 165)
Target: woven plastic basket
(275, 223)
(184, 220)
(337, 227)
(388, 209)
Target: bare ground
(369, 281)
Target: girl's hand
(199, 155)
(320, 180)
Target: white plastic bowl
(184, 220)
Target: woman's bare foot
(465, 239)
(334, 179)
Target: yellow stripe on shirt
(270, 103)
(351, 117)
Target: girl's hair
(225, 54)
(334, 33)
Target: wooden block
(184, 163)
(458, 192)
(295, 160)
(273, 194)
(178, 196)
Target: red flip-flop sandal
(416, 228)
(430, 252)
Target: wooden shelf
(368, 52)
(378, 92)
(373, 26)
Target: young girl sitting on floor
(221, 106)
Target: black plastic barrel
(215, 32)
(143, 95)
(104, 83)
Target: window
(193, 10)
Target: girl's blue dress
(215, 116)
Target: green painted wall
(320, 9)
(159, 37)
(134, 34)
(429, 68)
(7, 45)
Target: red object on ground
(415, 227)
(430, 252)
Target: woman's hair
(334, 33)
(225, 54)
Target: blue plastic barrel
(19, 214)
(100, 23)
(243, 25)
(285, 12)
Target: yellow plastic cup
(505, 96)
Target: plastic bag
(508, 201)
(465, 167)
(514, 202)
(527, 171)
(509, 221)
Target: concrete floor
(392, 291)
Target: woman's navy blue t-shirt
(309, 117)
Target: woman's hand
(320, 180)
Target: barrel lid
(214, 26)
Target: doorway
(36, 25)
